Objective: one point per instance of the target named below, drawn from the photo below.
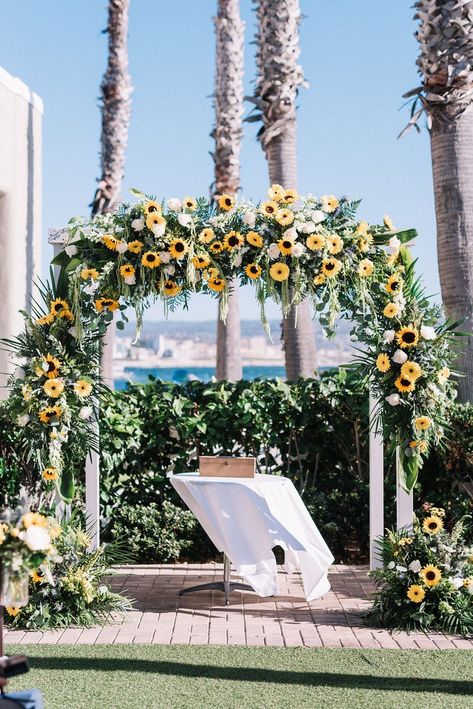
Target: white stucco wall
(20, 204)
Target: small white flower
(138, 224)
(71, 250)
(389, 335)
(249, 218)
(298, 250)
(307, 228)
(273, 252)
(290, 234)
(428, 332)
(393, 399)
(165, 256)
(391, 565)
(399, 357)
(393, 245)
(122, 246)
(36, 538)
(184, 219)
(169, 270)
(457, 582)
(159, 229)
(23, 420)
(85, 412)
(174, 204)
(73, 331)
(130, 280)
(415, 566)
(19, 373)
(318, 216)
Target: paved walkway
(162, 618)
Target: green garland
(290, 248)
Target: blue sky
(359, 57)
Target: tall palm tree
(116, 91)
(445, 35)
(227, 133)
(277, 83)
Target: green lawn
(126, 676)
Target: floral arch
(289, 248)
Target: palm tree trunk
(229, 30)
(452, 163)
(116, 112)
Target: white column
(376, 462)
(404, 501)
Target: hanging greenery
(290, 248)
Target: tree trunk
(116, 111)
(229, 30)
(452, 164)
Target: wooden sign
(226, 467)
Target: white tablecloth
(247, 517)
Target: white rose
(130, 280)
(298, 250)
(318, 216)
(165, 256)
(184, 219)
(249, 218)
(273, 251)
(389, 335)
(159, 229)
(174, 204)
(290, 234)
(122, 246)
(71, 250)
(23, 420)
(36, 538)
(427, 332)
(169, 270)
(399, 357)
(307, 227)
(415, 566)
(393, 244)
(393, 399)
(138, 224)
(456, 582)
(85, 412)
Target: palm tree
(445, 35)
(227, 133)
(116, 111)
(279, 76)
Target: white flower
(290, 234)
(85, 412)
(391, 565)
(19, 373)
(307, 228)
(174, 204)
(237, 261)
(298, 250)
(165, 256)
(169, 270)
(71, 250)
(399, 357)
(456, 582)
(122, 246)
(273, 252)
(428, 333)
(249, 218)
(184, 219)
(130, 280)
(389, 335)
(415, 566)
(36, 538)
(318, 216)
(159, 229)
(73, 331)
(393, 399)
(400, 568)
(138, 224)
(23, 420)
(91, 288)
(393, 245)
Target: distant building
(20, 204)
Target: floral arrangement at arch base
(289, 248)
(426, 582)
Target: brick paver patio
(162, 617)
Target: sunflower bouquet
(426, 582)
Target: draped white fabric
(247, 517)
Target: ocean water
(140, 375)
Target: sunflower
(189, 203)
(13, 611)
(206, 235)
(391, 310)
(178, 249)
(154, 219)
(106, 304)
(315, 242)
(254, 239)
(334, 244)
(411, 370)
(276, 193)
(394, 284)
(87, 273)
(110, 242)
(415, 593)
(83, 388)
(50, 473)
(421, 446)
(233, 240)
(362, 229)
(403, 384)
(269, 209)
(226, 202)
(201, 261)
(45, 320)
(211, 273)
(365, 268)
(430, 575)
(279, 271)
(50, 367)
(127, 270)
(35, 577)
(60, 309)
(388, 222)
(407, 337)
(135, 247)
(216, 247)
(151, 207)
(290, 196)
(443, 374)
(329, 203)
(170, 288)
(286, 246)
(253, 270)
(422, 423)
(319, 279)
(383, 362)
(216, 284)
(365, 243)
(53, 388)
(50, 414)
(150, 259)
(331, 266)
(284, 217)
